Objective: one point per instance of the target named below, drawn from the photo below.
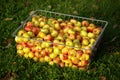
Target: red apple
(85, 23)
(29, 24)
(91, 27)
(62, 64)
(72, 36)
(35, 30)
(48, 38)
(97, 31)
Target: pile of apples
(65, 42)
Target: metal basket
(49, 14)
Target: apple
(26, 55)
(44, 30)
(75, 60)
(83, 33)
(83, 28)
(70, 31)
(97, 31)
(56, 60)
(41, 59)
(79, 37)
(34, 18)
(72, 52)
(91, 35)
(49, 49)
(20, 52)
(56, 50)
(60, 37)
(60, 45)
(91, 27)
(20, 32)
(85, 56)
(47, 58)
(51, 63)
(66, 30)
(65, 50)
(35, 30)
(85, 23)
(36, 23)
(26, 35)
(38, 48)
(73, 21)
(52, 55)
(18, 46)
(29, 44)
(92, 41)
(77, 28)
(46, 26)
(69, 43)
(30, 55)
(23, 44)
(59, 19)
(78, 24)
(42, 23)
(63, 25)
(65, 57)
(31, 34)
(57, 26)
(48, 38)
(41, 35)
(88, 51)
(62, 64)
(29, 24)
(54, 33)
(72, 36)
(35, 59)
(85, 42)
(26, 50)
(77, 46)
(84, 62)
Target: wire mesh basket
(64, 17)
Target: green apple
(54, 33)
(71, 31)
(20, 32)
(83, 33)
(78, 24)
(30, 33)
(20, 52)
(57, 26)
(69, 43)
(30, 55)
(44, 30)
(26, 35)
(26, 50)
(91, 35)
(85, 42)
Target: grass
(106, 66)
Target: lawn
(106, 65)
